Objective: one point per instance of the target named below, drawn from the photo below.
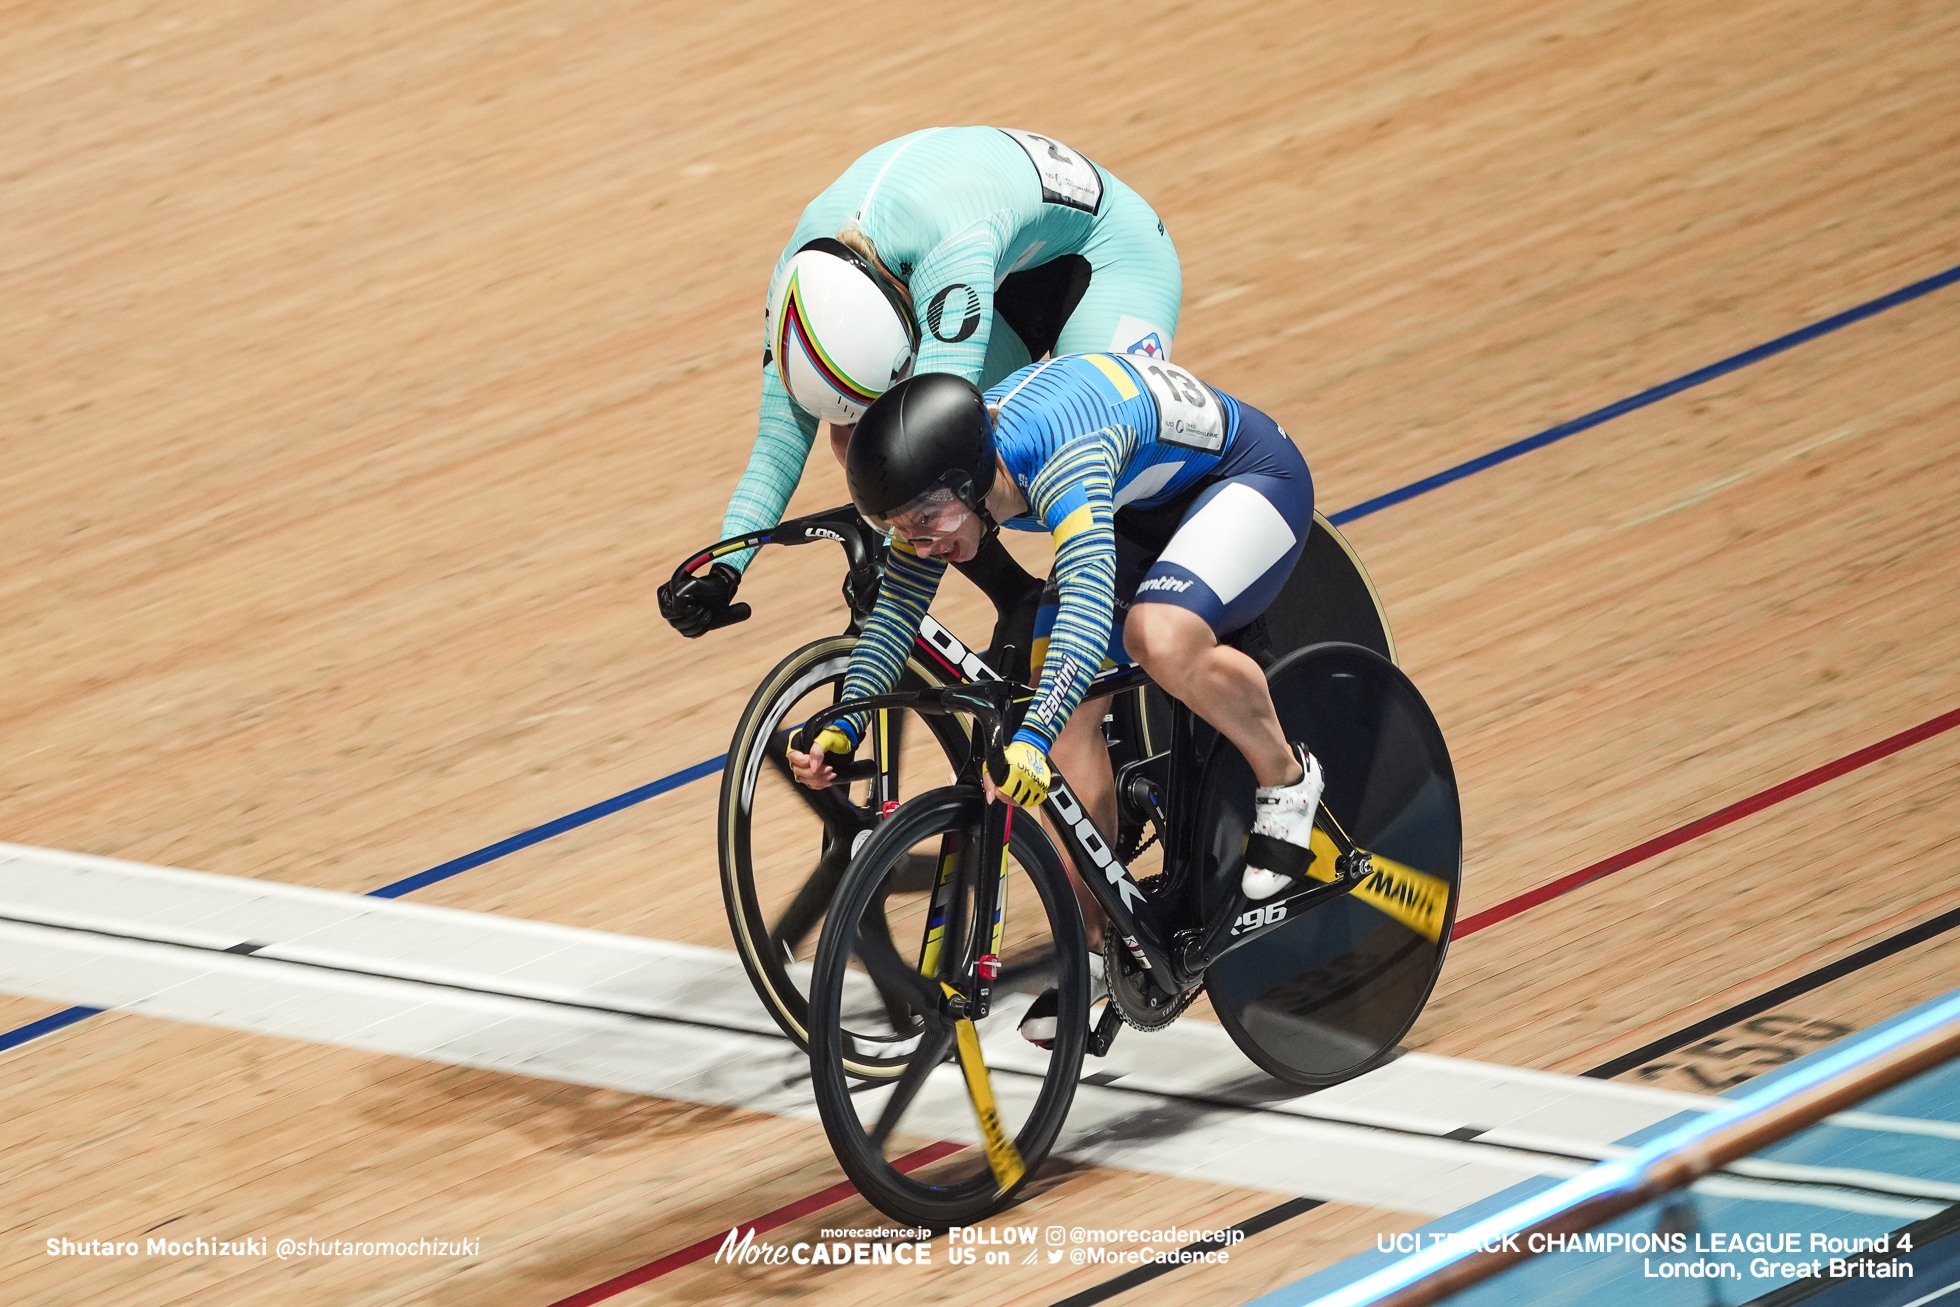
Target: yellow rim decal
(1414, 898)
(1003, 1158)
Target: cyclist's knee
(1164, 636)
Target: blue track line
(1551, 435)
(538, 834)
(45, 1026)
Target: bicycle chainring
(1131, 992)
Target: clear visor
(936, 514)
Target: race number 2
(1066, 177)
(1188, 413)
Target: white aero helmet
(839, 332)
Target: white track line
(678, 1021)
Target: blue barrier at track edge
(1616, 1174)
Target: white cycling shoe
(1277, 852)
(1039, 1025)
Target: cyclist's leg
(1220, 684)
(1082, 757)
(1131, 303)
(1230, 556)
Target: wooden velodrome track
(366, 366)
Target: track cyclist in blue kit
(1177, 514)
(970, 251)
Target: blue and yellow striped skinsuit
(1086, 438)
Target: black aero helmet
(927, 433)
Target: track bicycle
(782, 848)
(1314, 988)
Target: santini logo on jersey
(1164, 583)
(1064, 682)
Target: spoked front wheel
(1331, 992)
(783, 847)
(975, 1108)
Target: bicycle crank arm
(1104, 1034)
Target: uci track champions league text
(1702, 1255)
(984, 1246)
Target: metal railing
(1805, 1097)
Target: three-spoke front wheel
(974, 1108)
(783, 847)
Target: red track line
(1775, 794)
(1735, 812)
(694, 1252)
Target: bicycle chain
(1122, 973)
(1127, 854)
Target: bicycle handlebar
(842, 525)
(987, 702)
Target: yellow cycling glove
(1027, 775)
(833, 741)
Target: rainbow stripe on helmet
(794, 320)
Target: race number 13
(1188, 413)
(1066, 177)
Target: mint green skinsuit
(954, 213)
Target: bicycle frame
(1170, 937)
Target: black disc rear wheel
(1330, 993)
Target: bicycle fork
(975, 964)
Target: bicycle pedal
(1355, 865)
(1104, 1034)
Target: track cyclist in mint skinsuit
(966, 250)
(1177, 514)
